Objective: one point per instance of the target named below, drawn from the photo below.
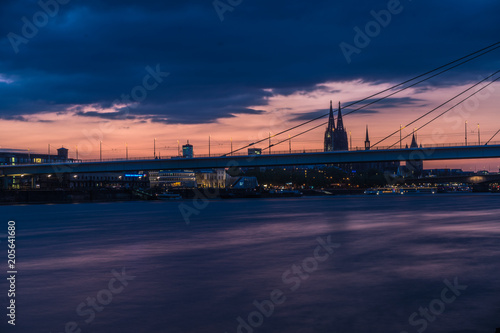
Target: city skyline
(250, 166)
(67, 85)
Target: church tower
(416, 166)
(330, 130)
(414, 143)
(340, 141)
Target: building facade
(14, 157)
(187, 151)
(166, 179)
(214, 178)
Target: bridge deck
(439, 153)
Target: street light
(400, 138)
(466, 132)
(269, 143)
(478, 135)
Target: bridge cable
(324, 123)
(414, 84)
(437, 107)
(492, 137)
(488, 49)
(430, 121)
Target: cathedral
(336, 138)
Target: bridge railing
(265, 152)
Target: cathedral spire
(340, 122)
(330, 130)
(367, 140)
(414, 143)
(331, 119)
(340, 141)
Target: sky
(129, 73)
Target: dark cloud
(324, 113)
(94, 52)
(105, 115)
(387, 103)
(24, 119)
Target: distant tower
(187, 150)
(367, 140)
(62, 153)
(414, 142)
(340, 141)
(416, 166)
(330, 130)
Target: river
(313, 264)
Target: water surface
(393, 256)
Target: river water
(316, 264)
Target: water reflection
(395, 253)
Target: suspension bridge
(376, 153)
